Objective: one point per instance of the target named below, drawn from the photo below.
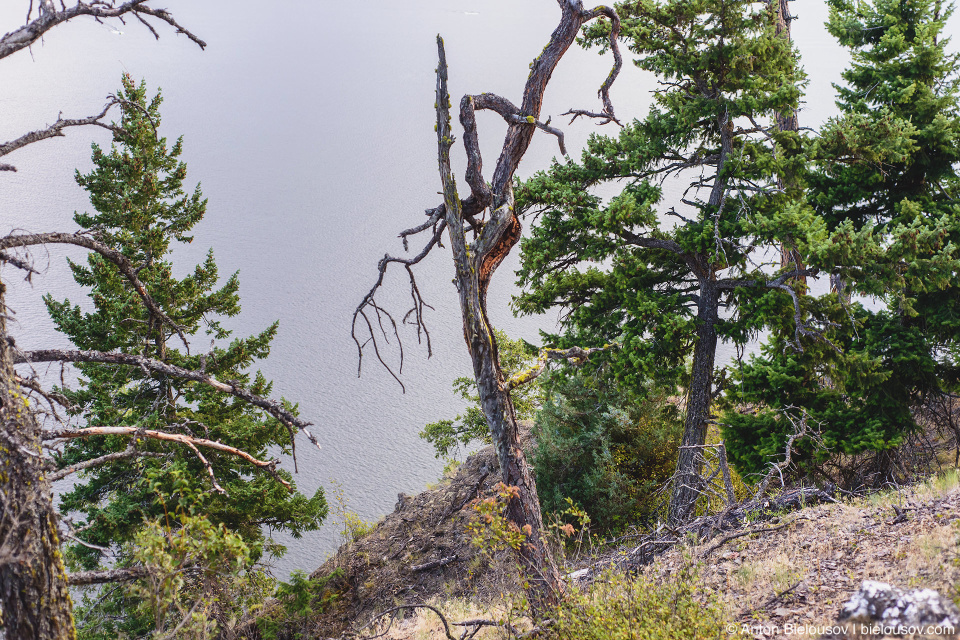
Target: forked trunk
(472, 279)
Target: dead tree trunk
(493, 237)
(34, 600)
(524, 511)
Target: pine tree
(141, 209)
(623, 268)
(884, 178)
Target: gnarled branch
(49, 18)
(574, 355)
(274, 408)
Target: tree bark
(686, 480)
(686, 484)
(34, 600)
(545, 582)
(789, 256)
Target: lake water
(310, 127)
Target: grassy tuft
(619, 607)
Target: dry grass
(827, 551)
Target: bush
(617, 607)
(605, 449)
(298, 603)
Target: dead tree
(34, 598)
(487, 215)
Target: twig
(733, 536)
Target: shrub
(606, 450)
(617, 607)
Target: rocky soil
(802, 574)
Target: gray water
(310, 127)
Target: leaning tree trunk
(472, 280)
(34, 600)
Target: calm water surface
(310, 127)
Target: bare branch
(607, 115)
(800, 430)
(50, 18)
(471, 143)
(56, 130)
(409, 607)
(102, 577)
(233, 388)
(50, 396)
(651, 243)
(733, 536)
(130, 452)
(18, 263)
(192, 443)
(369, 300)
(121, 261)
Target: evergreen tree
(141, 209)
(622, 267)
(884, 178)
(607, 451)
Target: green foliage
(883, 176)
(448, 436)
(142, 210)
(622, 270)
(619, 607)
(603, 450)
(297, 602)
(201, 578)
